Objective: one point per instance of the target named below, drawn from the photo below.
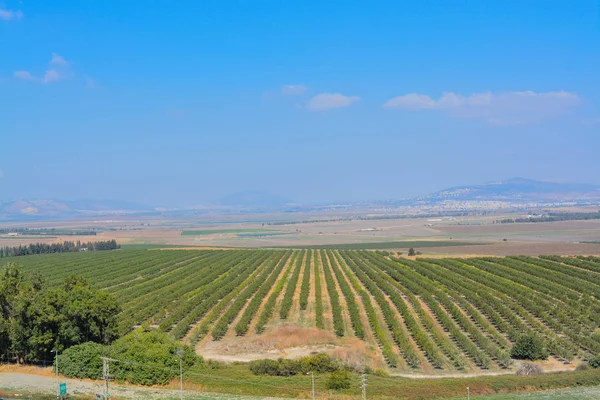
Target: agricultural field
(425, 316)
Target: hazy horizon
(315, 101)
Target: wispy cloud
(293, 90)
(8, 15)
(497, 108)
(51, 76)
(329, 101)
(58, 71)
(57, 59)
(23, 75)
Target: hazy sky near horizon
(181, 102)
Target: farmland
(415, 316)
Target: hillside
(518, 189)
(425, 316)
(45, 208)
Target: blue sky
(181, 102)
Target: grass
(149, 246)
(588, 393)
(203, 232)
(237, 379)
(391, 245)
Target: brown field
(522, 238)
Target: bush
(411, 252)
(338, 380)
(82, 361)
(318, 363)
(529, 369)
(584, 366)
(148, 358)
(153, 357)
(595, 362)
(264, 367)
(530, 347)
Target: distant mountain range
(516, 190)
(42, 208)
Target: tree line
(553, 217)
(63, 247)
(36, 318)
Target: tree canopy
(35, 318)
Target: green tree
(530, 347)
(411, 252)
(338, 380)
(35, 319)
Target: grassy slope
(237, 379)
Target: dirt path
(33, 383)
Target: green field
(416, 244)
(446, 314)
(204, 232)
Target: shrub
(148, 358)
(529, 369)
(338, 380)
(264, 367)
(584, 366)
(318, 363)
(595, 362)
(411, 252)
(530, 347)
(82, 361)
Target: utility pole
(468, 393)
(106, 375)
(180, 355)
(313, 385)
(56, 369)
(363, 386)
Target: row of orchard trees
(63, 247)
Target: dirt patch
(286, 341)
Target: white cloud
(7, 15)
(57, 59)
(499, 108)
(23, 75)
(411, 101)
(329, 101)
(51, 76)
(293, 90)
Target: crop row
(305, 288)
(288, 297)
(241, 328)
(227, 318)
(336, 309)
(269, 306)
